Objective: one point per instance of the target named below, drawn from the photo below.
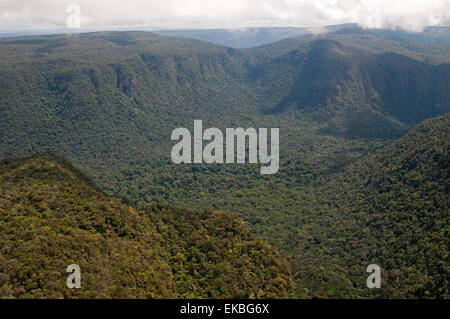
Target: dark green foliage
(109, 102)
(52, 216)
(391, 208)
(214, 253)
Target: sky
(409, 15)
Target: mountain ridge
(52, 216)
(109, 101)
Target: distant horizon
(193, 28)
(409, 15)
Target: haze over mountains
(250, 37)
(253, 37)
(348, 193)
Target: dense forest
(390, 208)
(52, 216)
(109, 101)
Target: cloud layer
(410, 15)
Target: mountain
(398, 198)
(253, 37)
(109, 101)
(373, 94)
(51, 216)
(249, 37)
(388, 208)
(430, 34)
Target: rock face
(125, 80)
(127, 86)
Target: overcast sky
(411, 15)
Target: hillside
(109, 101)
(398, 201)
(389, 208)
(51, 216)
(360, 85)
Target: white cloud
(411, 15)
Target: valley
(344, 101)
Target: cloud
(410, 15)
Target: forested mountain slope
(390, 208)
(398, 200)
(52, 216)
(109, 101)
